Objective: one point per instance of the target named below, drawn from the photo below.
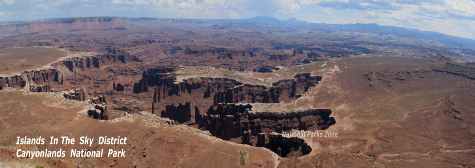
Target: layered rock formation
(52, 79)
(179, 112)
(111, 56)
(283, 146)
(75, 94)
(161, 76)
(35, 80)
(211, 104)
(232, 121)
(202, 92)
(225, 90)
(118, 87)
(98, 108)
(463, 70)
(98, 111)
(15, 81)
(39, 88)
(281, 91)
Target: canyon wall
(281, 91)
(36, 80)
(237, 120)
(51, 79)
(238, 123)
(214, 104)
(111, 56)
(283, 146)
(201, 93)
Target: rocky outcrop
(210, 103)
(16, 81)
(281, 91)
(205, 92)
(98, 108)
(36, 80)
(284, 90)
(118, 87)
(224, 120)
(225, 90)
(39, 88)
(75, 94)
(232, 121)
(98, 100)
(162, 77)
(462, 70)
(283, 146)
(98, 111)
(180, 112)
(52, 78)
(111, 56)
(44, 76)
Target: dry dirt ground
(409, 117)
(390, 113)
(13, 60)
(152, 142)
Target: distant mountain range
(264, 21)
(449, 41)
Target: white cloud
(455, 17)
(440, 16)
(462, 7)
(7, 2)
(191, 8)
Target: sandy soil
(14, 60)
(151, 141)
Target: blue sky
(453, 17)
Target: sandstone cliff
(53, 78)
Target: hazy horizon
(451, 17)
